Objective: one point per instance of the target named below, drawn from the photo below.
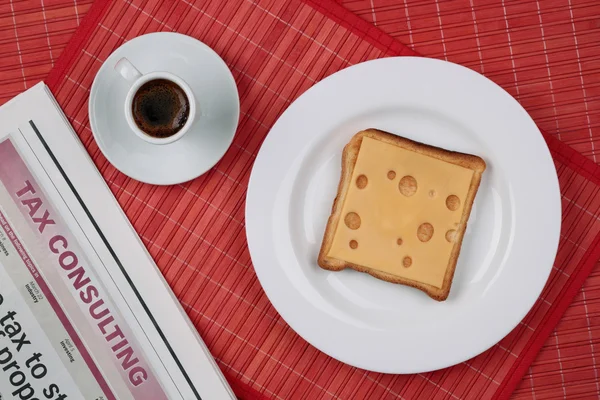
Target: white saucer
(508, 248)
(217, 103)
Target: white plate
(509, 246)
(210, 136)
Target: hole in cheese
(452, 202)
(408, 186)
(352, 220)
(451, 235)
(353, 244)
(425, 232)
(391, 175)
(361, 181)
(399, 241)
(407, 262)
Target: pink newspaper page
(84, 311)
(60, 273)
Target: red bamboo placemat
(195, 231)
(543, 52)
(33, 34)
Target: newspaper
(84, 311)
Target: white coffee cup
(136, 80)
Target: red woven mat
(195, 231)
(33, 34)
(544, 53)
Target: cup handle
(127, 70)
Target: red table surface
(564, 366)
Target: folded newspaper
(84, 311)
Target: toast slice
(401, 211)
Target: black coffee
(160, 108)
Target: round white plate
(509, 246)
(216, 98)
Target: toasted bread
(401, 211)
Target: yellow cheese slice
(402, 231)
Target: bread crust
(349, 157)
